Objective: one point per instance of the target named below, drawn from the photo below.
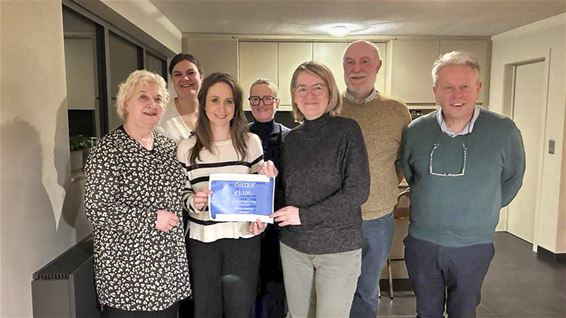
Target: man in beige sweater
(383, 120)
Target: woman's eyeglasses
(267, 100)
(448, 174)
(316, 90)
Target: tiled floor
(518, 285)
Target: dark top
(272, 135)
(462, 210)
(326, 176)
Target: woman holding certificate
(224, 255)
(326, 179)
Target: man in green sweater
(463, 164)
(382, 120)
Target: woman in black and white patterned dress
(133, 200)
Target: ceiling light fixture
(338, 30)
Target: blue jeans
(377, 237)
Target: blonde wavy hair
(126, 89)
(320, 70)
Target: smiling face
(311, 95)
(220, 106)
(263, 113)
(145, 106)
(361, 65)
(456, 91)
(186, 79)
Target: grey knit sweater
(326, 175)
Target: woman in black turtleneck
(264, 103)
(326, 177)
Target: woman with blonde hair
(133, 198)
(326, 179)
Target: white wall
(1, 244)
(38, 202)
(543, 39)
(34, 143)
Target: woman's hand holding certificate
(200, 199)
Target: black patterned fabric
(137, 267)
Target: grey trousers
(320, 286)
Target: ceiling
(362, 18)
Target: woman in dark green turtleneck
(326, 177)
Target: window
(98, 57)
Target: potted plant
(80, 145)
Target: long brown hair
(238, 126)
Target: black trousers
(225, 274)
(170, 312)
(271, 298)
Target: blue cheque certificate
(241, 197)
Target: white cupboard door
(479, 49)
(291, 55)
(215, 55)
(411, 66)
(380, 79)
(257, 60)
(330, 54)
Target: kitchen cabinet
(214, 54)
(291, 54)
(478, 48)
(410, 70)
(330, 54)
(410, 65)
(264, 59)
(257, 60)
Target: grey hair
(267, 82)
(455, 58)
(126, 89)
(372, 45)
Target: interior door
(528, 109)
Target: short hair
(320, 70)
(370, 44)
(185, 57)
(455, 58)
(238, 124)
(268, 82)
(126, 89)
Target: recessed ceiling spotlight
(338, 30)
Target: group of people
(338, 175)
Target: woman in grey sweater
(326, 177)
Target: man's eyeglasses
(316, 90)
(448, 174)
(267, 100)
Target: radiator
(65, 287)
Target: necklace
(144, 141)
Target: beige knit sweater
(382, 120)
